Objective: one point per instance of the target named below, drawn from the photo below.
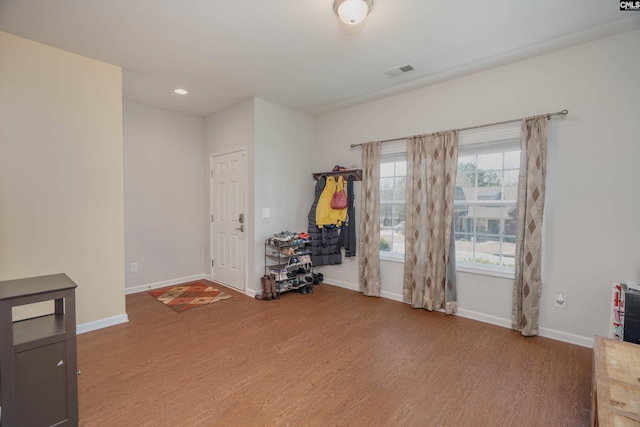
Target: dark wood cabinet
(38, 368)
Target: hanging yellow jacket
(323, 208)
(339, 216)
(325, 214)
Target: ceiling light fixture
(181, 91)
(352, 12)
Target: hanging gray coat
(325, 247)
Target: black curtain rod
(549, 115)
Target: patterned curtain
(369, 256)
(531, 190)
(429, 265)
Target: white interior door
(228, 223)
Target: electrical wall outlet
(134, 267)
(561, 300)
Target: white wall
(61, 184)
(164, 228)
(278, 143)
(592, 234)
(225, 131)
(283, 178)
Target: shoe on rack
(266, 290)
(273, 285)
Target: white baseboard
(166, 283)
(392, 296)
(163, 284)
(341, 284)
(566, 337)
(553, 334)
(102, 323)
(384, 294)
(485, 318)
(481, 317)
(249, 292)
(123, 318)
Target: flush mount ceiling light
(352, 12)
(181, 91)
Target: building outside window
(393, 199)
(485, 207)
(393, 194)
(485, 200)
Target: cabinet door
(41, 385)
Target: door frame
(242, 150)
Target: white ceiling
(296, 53)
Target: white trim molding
(164, 283)
(481, 317)
(341, 284)
(352, 287)
(485, 318)
(553, 334)
(102, 323)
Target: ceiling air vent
(398, 71)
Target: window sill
(505, 274)
(472, 269)
(390, 256)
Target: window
(393, 185)
(485, 200)
(485, 206)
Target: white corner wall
(230, 130)
(283, 176)
(279, 143)
(164, 228)
(61, 173)
(592, 234)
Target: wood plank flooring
(332, 358)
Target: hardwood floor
(334, 357)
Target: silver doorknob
(241, 228)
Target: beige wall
(61, 172)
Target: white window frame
(488, 140)
(391, 149)
(485, 139)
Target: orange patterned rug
(185, 297)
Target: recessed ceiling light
(181, 91)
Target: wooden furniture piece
(616, 383)
(38, 374)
